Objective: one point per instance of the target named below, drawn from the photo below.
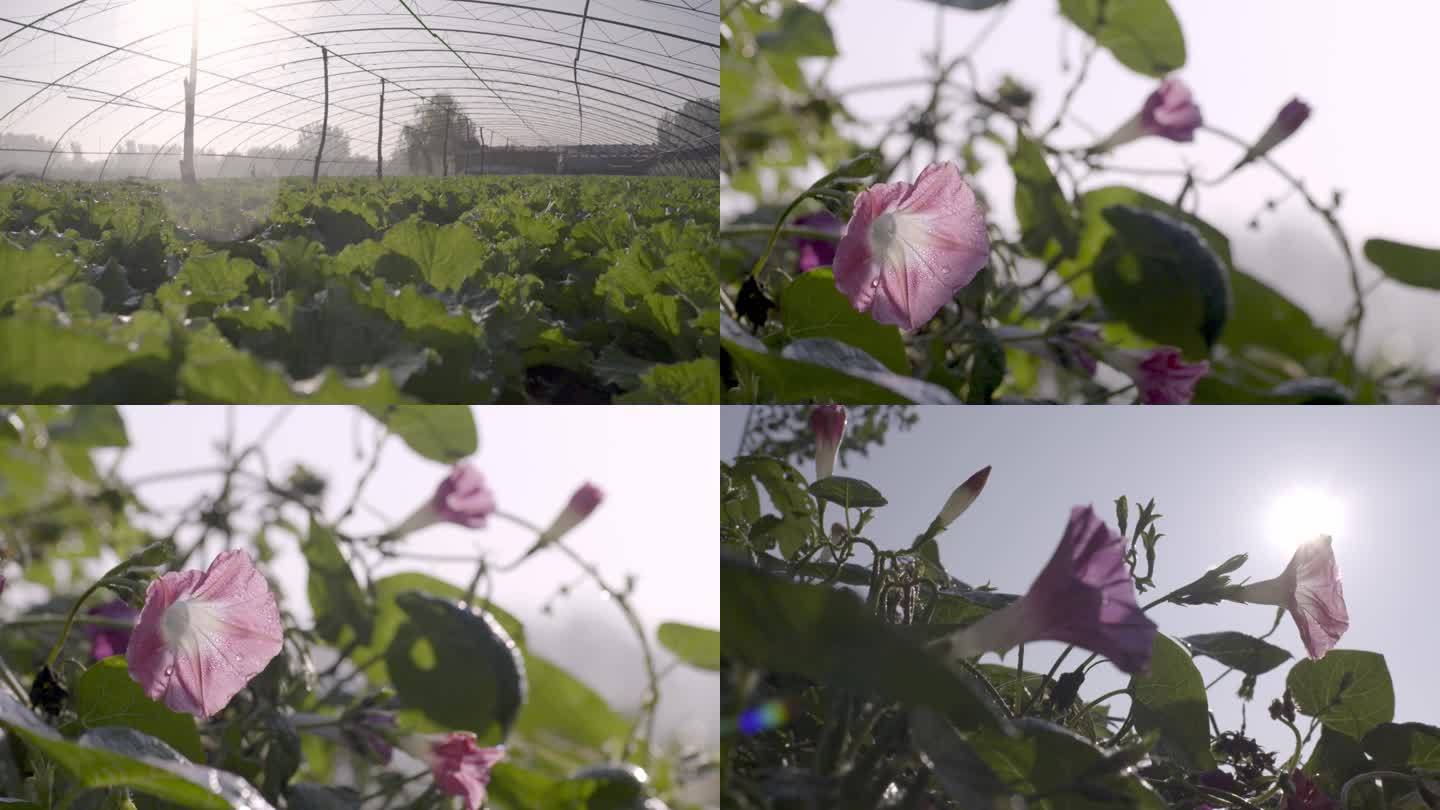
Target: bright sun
(1302, 513)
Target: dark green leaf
(959, 769)
(829, 635)
(1248, 654)
(1144, 35)
(1401, 746)
(851, 493)
(1349, 690)
(1070, 771)
(106, 695)
(340, 603)
(444, 433)
(812, 307)
(90, 426)
(1170, 698)
(458, 667)
(305, 796)
(696, 646)
(1407, 264)
(1159, 276)
(1045, 216)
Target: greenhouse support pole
(324, 119)
(445, 146)
(482, 150)
(187, 162)
(380, 139)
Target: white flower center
(186, 619)
(891, 233)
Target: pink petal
(1318, 600)
(950, 250)
(226, 629)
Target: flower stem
(69, 622)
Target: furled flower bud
(1289, 120)
(1169, 112)
(960, 500)
(815, 253)
(108, 641)
(581, 504)
(828, 423)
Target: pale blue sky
(1217, 475)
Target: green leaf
(90, 426)
(343, 614)
(812, 307)
(969, 5)
(34, 271)
(1335, 759)
(446, 255)
(121, 757)
(1170, 698)
(1407, 264)
(1401, 746)
(696, 646)
(106, 695)
(1248, 654)
(1045, 216)
(802, 32)
(459, 667)
(782, 482)
(1070, 771)
(213, 278)
(1265, 318)
(444, 433)
(1159, 275)
(1348, 690)
(791, 534)
(958, 767)
(696, 382)
(829, 635)
(1143, 35)
(847, 492)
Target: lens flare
(767, 716)
(1301, 514)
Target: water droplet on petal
(875, 283)
(169, 670)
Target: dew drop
(875, 282)
(169, 670)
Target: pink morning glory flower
(1169, 112)
(828, 423)
(458, 764)
(1287, 122)
(1161, 376)
(910, 248)
(1310, 589)
(1307, 795)
(462, 498)
(202, 635)
(1084, 596)
(815, 253)
(108, 641)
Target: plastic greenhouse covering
(97, 89)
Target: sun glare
(1301, 514)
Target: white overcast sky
(261, 79)
(1360, 66)
(1227, 480)
(658, 522)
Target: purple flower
(1084, 596)
(1168, 112)
(817, 252)
(458, 764)
(462, 498)
(584, 501)
(368, 732)
(908, 249)
(1160, 375)
(108, 641)
(828, 423)
(1310, 589)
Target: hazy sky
(656, 466)
(1226, 479)
(261, 71)
(1355, 63)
